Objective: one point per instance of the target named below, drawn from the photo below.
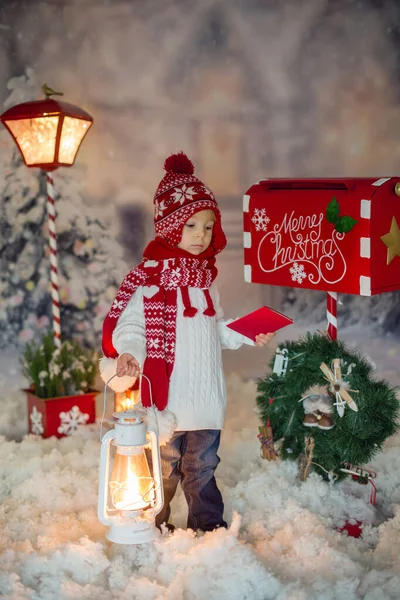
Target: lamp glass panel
(73, 131)
(131, 485)
(36, 138)
(126, 400)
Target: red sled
(290, 239)
(60, 416)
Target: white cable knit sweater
(197, 394)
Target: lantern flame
(126, 400)
(131, 486)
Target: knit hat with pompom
(179, 196)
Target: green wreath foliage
(357, 436)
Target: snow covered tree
(90, 260)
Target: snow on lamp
(130, 496)
(48, 134)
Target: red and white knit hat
(179, 196)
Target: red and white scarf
(164, 269)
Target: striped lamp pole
(48, 134)
(55, 296)
(331, 314)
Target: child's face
(197, 232)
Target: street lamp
(48, 134)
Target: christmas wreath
(323, 406)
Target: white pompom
(162, 420)
(108, 368)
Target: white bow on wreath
(338, 386)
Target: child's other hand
(127, 365)
(262, 339)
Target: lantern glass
(126, 400)
(36, 138)
(131, 485)
(73, 132)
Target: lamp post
(129, 496)
(48, 134)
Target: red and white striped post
(48, 134)
(331, 314)
(55, 296)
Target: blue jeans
(190, 457)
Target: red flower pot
(60, 416)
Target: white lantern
(129, 496)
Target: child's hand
(262, 339)
(127, 365)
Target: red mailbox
(335, 235)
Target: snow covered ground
(282, 542)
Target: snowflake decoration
(260, 219)
(175, 276)
(171, 278)
(298, 273)
(70, 421)
(118, 304)
(203, 189)
(182, 194)
(36, 418)
(159, 208)
(154, 343)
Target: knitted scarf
(164, 269)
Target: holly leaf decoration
(345, 224)
(342, 224)
(332, 211)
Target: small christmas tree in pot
(60, 397)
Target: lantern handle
(155, 427)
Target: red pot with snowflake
(335, 235)
(60, 416)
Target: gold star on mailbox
(392, 241)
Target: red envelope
(262, 320)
